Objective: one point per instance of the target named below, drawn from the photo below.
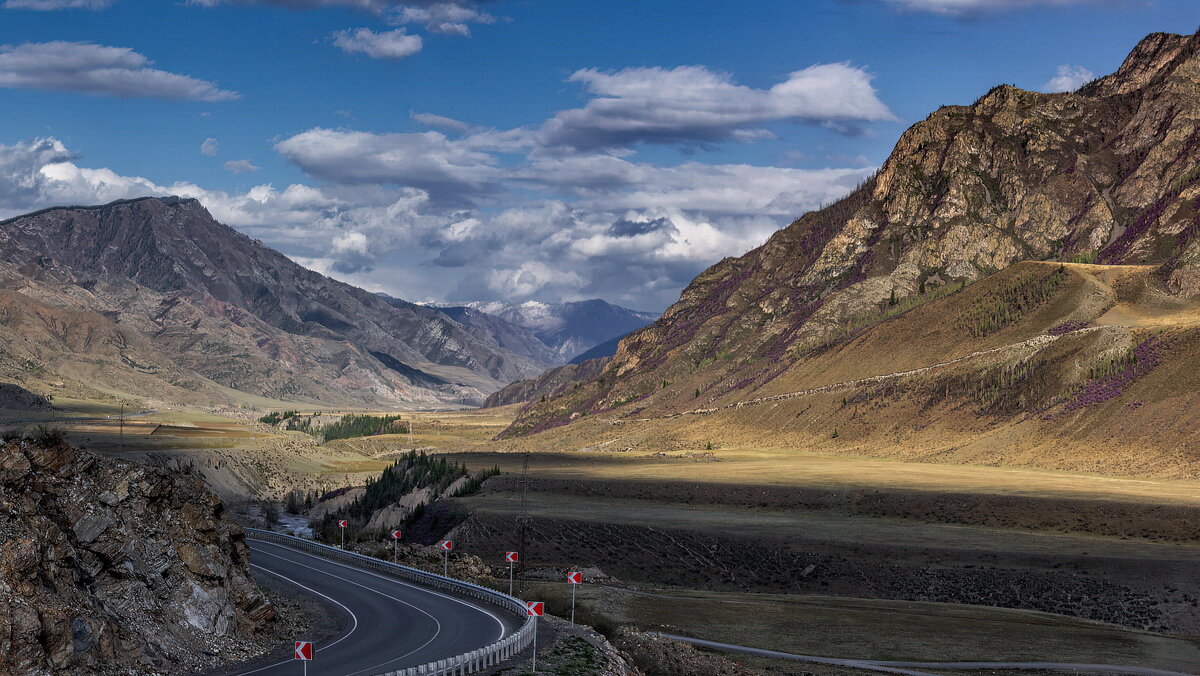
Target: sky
(512, 150)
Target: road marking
(323, 647)
(388, 579)
(398, 581)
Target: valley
(718, 544)
(944, 423)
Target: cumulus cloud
(240, 166)
(974, 7)
(441, 122)
(559, 211)
(51, 5)
(1068, 79)
(448, 17)
(96, 69)
(209, 147)
(397, 44)
(429, 160)
(692, 104)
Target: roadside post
(535, 609)
(446, 546)
(304, 653)
(342, 530)
(511, 558)
(575, 578)
(395, 538)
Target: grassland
(853, 628)
(597, 482)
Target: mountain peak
(1104, 175)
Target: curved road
(388, 623)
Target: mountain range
(153, 298)
(567, 330)
(1026, 265)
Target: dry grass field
(897, 544)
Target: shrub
(10, 435)
(46, 436)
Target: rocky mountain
(568, 329)
(1109, 174)
(152, 296)
(503, 333)
(114, 568)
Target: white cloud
(51, 5)
(448, 17)
(240, 166)
(440, 122)
(970, 7)
(1068, 79)
(97, 69)
(518, 214)
(427, 160)
(396, 44)
(691, 104)
(209, 147)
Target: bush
(10, 435)
(46, 436)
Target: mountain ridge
(194, 289)
(1106, 174)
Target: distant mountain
(503, 333)
(606, 349)
(572, 328)
(152, 297)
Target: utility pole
(410, 426)
(121, 426)
(523, 517)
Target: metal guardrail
(466, 663)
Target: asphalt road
(388, 623)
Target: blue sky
(513, 149)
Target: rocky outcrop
(1106, 174)
(15, 397)
(112, 568)
(158, 284)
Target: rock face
(1106, 174)
(111, 568)
(156, 284)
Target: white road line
(417, 587)
(341, 638)
(437, 632)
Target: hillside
(152, 297)
(1105, 174)
(112, 568)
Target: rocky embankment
(108, 567)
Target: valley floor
(807, 553)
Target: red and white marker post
(304, 653)
(511, 558)
(575, 578)
(342, 530)
(446, 546)
(535, 609)
(396, 535)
